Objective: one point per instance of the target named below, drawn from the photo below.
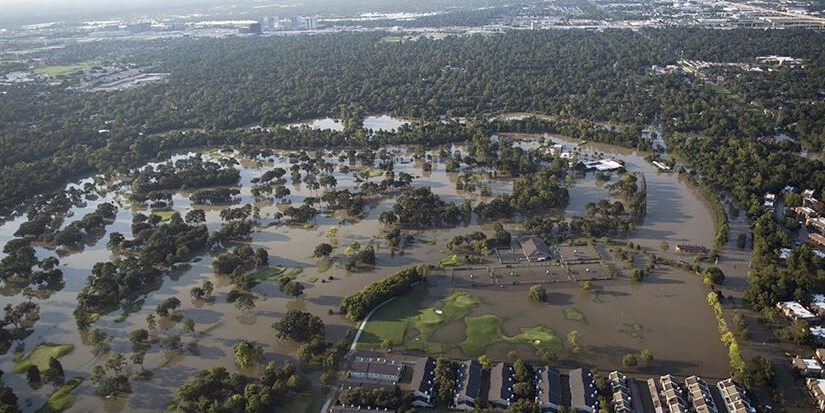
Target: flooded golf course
(666, 313)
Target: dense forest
(218, 85)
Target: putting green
(541, 338)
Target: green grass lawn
(571, 313)
(60, 70)
(312, 279)
(391, 322)
(275, 273)
(375, 173)
(268, 274)
(219, 155)
(450, 261)
(574, 341)
(539, 337)
(62, 397)
(633, 329)
(165, 215)
(40, 356)
(323, 265)
(481, 332)
(486, 329)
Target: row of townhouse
(667, 395)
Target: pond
(677, 324)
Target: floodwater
(670, 306)
(378, 122)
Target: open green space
(40, 356)
(375, 173)
(390, 323)
(403, 322)
(574, 341)
(323, 265)
(268, 274)
(571, 313)
(219, 155)
(450, 261)
(633, 330)
(274, 273)
(481, 332)
(62, 398)
(60, 70)
(165, 215)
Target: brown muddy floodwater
(670, 306)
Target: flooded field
(666, 314)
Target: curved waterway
(676, 324)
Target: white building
(796, 311)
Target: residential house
(656, 396)
(796, 311)
(807, 367)
(673, 395)
(583, 394)
(816, 387)
(378, 369)
(699, 395)
(548, 389)
(815, 222)
(734, 397)
(622, 400)
(814, 204)
(808, 214)
(816, 239)
(500, 394)
(534, 248)
(423, 383)
(468, 378)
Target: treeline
(601, 76)
(357, 305)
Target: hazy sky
(43, 10)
